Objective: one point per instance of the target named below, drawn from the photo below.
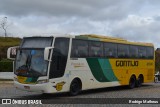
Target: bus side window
(133, 51)
(79, 48)
(150, 52)
(142, 52)
(123, 51)
(74, 52)
(110, 50)
(95, 49)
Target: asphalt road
(149, 90)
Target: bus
(71, 63)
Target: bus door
(59, 58)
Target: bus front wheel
(132, 82)
(75, 87)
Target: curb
(4, 81)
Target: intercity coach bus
(73, 63)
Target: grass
(5, 64)
(9, 41)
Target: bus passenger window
(110, 50)
(123, 51)
(150, 52)
(95, 49)
(79, 49)
(133, 51)
(142, 52)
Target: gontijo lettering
(120, 63)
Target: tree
(4, 25)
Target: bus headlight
(42, 81)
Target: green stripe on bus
(96, 70)
(107, 69)
(31, 79)
(101, 69)
(28, 79)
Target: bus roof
(110, 39)
(95, 37)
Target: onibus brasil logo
(19, 101)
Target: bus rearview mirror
(46, 53)
(11, 52)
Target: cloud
(51, 7)
(137, 28)
(93, 9)
(135, 20)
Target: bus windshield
(30, 57)
(30, 62)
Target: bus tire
(132, 82)
(139, 81)
(75, 87)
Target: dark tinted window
(133, 51)
(36, 42)
(96, 49)
(150, 52)
(61, 44)
(142, 52)
(123, 51)
(110, 50)
(79, 48)
(59, 57)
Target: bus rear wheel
(75, 87)
(132, 82)
(139, 81)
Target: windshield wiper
(28, 61)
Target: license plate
(26, 87)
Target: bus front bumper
(43, 88)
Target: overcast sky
(135, 20)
